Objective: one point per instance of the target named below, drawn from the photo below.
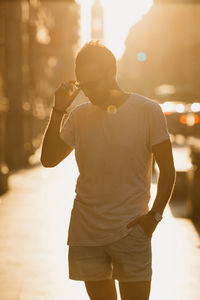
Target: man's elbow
(168, 172)
(172, 174)
(46, 163)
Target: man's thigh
(135, 290)
(101, 290)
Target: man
(114, 136)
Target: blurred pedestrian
(115, 136)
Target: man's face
(93, 83)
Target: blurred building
(162, 55)
(38, 42)
(97, 21)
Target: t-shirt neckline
(118, 108)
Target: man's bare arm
(164, 158)
(166, 181)
(54, 150)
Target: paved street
(34, 218)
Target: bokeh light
(141, 56)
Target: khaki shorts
(128, 259)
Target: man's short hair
(96, 52)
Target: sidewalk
(34, 219)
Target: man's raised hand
(65, 94)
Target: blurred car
(183, 122)
(182, 119)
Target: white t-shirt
(114, 157)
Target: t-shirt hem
(162, 139)
(101, 243)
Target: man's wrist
(59, 111)
(156, 215)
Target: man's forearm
(54, 124)
(51, 136)
(165, 188)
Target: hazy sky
(119, 16)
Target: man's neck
(116, 98)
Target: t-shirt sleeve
(67, 132)
(158, 126)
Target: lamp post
(4, 171)
(4, 105)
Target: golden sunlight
(119, 17)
